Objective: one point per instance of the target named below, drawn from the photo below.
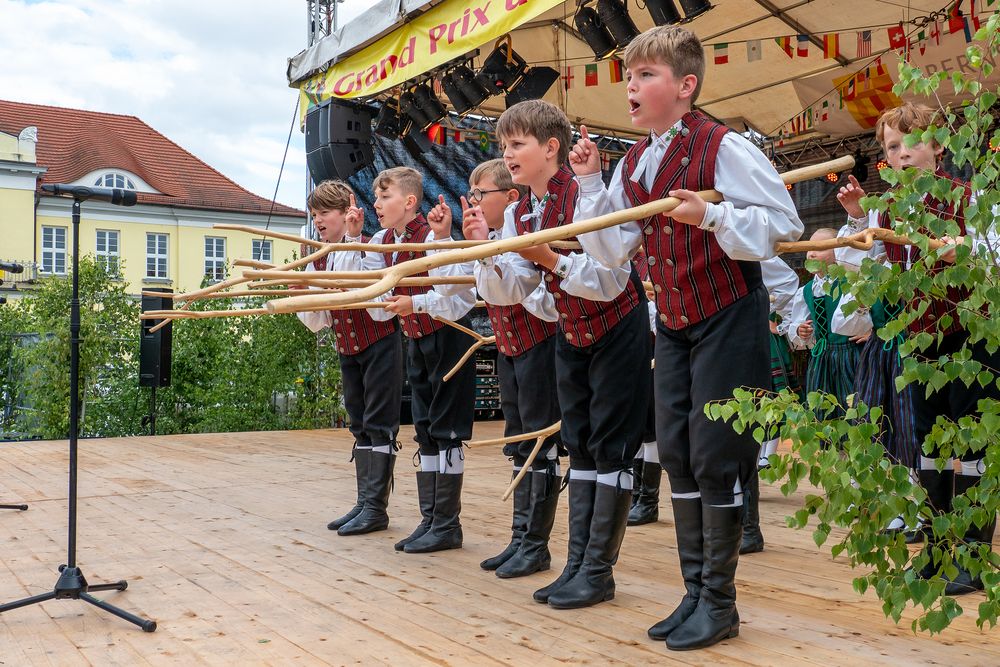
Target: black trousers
(373, 384)
(701, 363)
(528, 397)
(954, 400)
(442, 411)
(603, 395)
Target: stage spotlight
(881, 164)
(615, 17)
(429, 104)
(408, 106)
(533, 86)
(664, 12)
(833, 177)
(463, 90)
(860, 168)
(389, 123)
(694, 8)
(502, 69)
(595, 32)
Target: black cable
(281, 170)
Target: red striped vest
(517, 330)
(583, 322)
(415, 325)
(693, 278)
(898, 254)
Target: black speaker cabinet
(338, 140)
(155, 348)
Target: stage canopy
(788, 69)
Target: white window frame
(266, 255)
(54, 252)
(114, 179)
(215, 258)
(107, 257)
(159, 255)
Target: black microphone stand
(12, 268)
(71, 584)
(13, 507)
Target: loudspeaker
(155, 348)
(533, 86)
(338, 140)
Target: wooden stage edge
(223, 541)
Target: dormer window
(114, 179)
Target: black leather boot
(360, 457)
(646, 506)
(581, 511)
(518, 526)
(753, 539)
(975, 536)
(373, 516)
(940, 488)
(425, 497)
(637, 467)
(533, 554)
(690, 552)
(446, 530)
(594, 582)
(715, 618)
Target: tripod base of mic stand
(13, 507)
(72, 585)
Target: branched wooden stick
(862, 241)
(270, 234)
(531, 459)
(480, 341)
(389, 277)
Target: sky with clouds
(208, 74)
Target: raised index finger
(441, 200)
(583, 133)
(353, 202)
(465, 203)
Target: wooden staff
(199, 314)
(480, 341)
(539, 439)
(862, 241)
(354, 278)
(274, 235)
(387, 278)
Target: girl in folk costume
(526, 343)
(834, 354)
(371, 366)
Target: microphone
(117, 196)
(11, 267)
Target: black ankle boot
(518, 526)
(753, 539)
(715, 618)
(646, 505)
(975, 536)
(533, 554)
(425, 497)
(690, 552)
(360, 457)
(594, 582)
(373, 516)
(581, 511)
(940, 488)
(446, 530)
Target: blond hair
(670, 45)
(825, 231)
(330, 196)
(906, 118)
(539, 119)
(496, 170)
(408, 180)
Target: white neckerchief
(537, 208)
(819, 285)
(649, 161)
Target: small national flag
(459, 137)
(436, 134)
(864, 44)
(862, 79)
(753, 50)
(897, 38)
(921, 41)
(825, 114)
(721, 54)
(936, 32)
(617, 70)
(590, 77)
(956, 21)
(785, 43)
(803, 46)
(831, 45)
(849, 95)
(605, 161)
(484, 141)
(568, 78)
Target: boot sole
(610, 595)
(364, 531)
(524, 573)
(433, 549)
(733, 633)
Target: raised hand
(439, 219)
(401, 305)
(691, 210)
(354, 219)
(850, 196)
(474, 225)
(584, 157)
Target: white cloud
(208, 74)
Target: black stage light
(860, 168)
(389, 123)
(596, 34)
(663, 12)
(409, 105)
(694, 8)
(429, 104)
(533, 86)
(463, 90)
(502, 69)
(615, 17)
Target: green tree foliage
(229, 374)
(862, 491)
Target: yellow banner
(447, 31)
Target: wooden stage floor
(223, 540)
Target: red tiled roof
(72, 143)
